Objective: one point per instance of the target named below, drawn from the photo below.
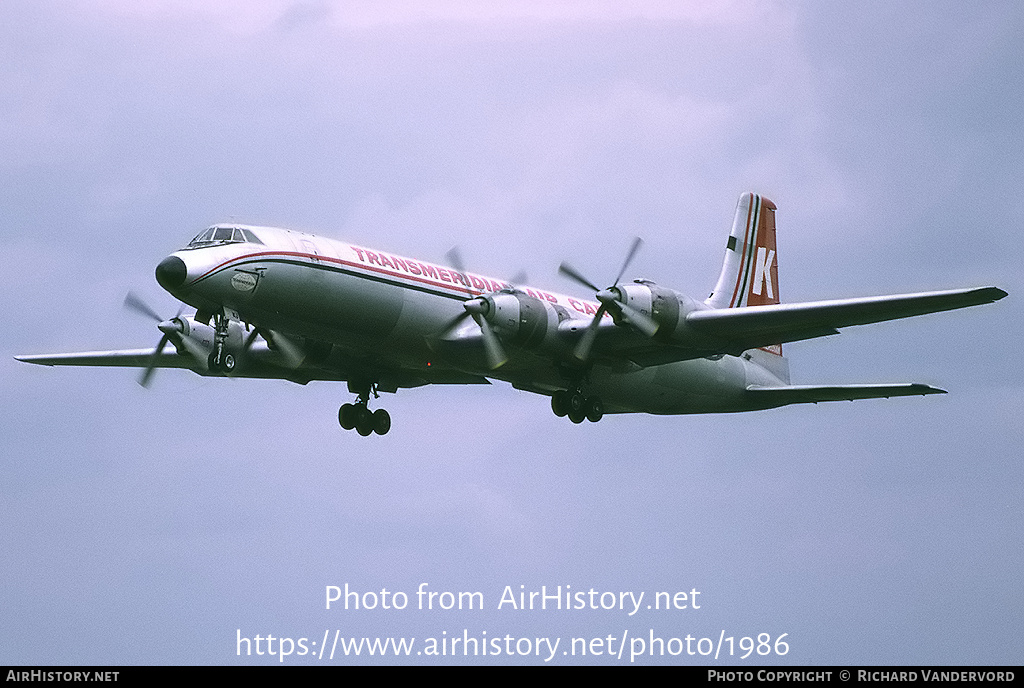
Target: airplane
(283, 304)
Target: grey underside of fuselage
(383, 324)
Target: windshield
(223, 235)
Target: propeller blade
(454, 257)
(247, 344)
(637, 243)
(451, 325)
(291, 351)
(639, 320)
(243, 353)
(193, 347)
(147, 374)
(496, 356)
(570, 272)
(512, 284)
(518, 278)
(610, 301)
(133, 302)
(169, 328)
(582, 351)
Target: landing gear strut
(221, 361)
(357, 416)
(575, 404)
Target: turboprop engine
(666, 307)
(513, 317)
(190, 336)
(521, 319)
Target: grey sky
(146, 526)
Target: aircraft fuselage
(364, 300)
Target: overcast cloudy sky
(154, 526)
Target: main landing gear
(364, 421)
(575, 404)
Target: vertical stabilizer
(750, 273)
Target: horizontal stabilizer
(770, 397)
(739, 329)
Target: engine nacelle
(201, 338)
(523, 320)
(666, 307)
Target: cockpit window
(223, 235)
(250, 237)
(203, 237)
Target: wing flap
(739, 329)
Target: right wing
(262, 362)
(123, 358)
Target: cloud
(255, 15)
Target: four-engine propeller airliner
(276, 303)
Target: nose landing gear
(221, 360)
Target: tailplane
(773, 397)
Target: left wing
(734, 330)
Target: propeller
(478, 308)
(454, 257)
(169, 328)
(289, 350)
(611, 300)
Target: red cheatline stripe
(294, 254)
(471, 291)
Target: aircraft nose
(171, 273)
